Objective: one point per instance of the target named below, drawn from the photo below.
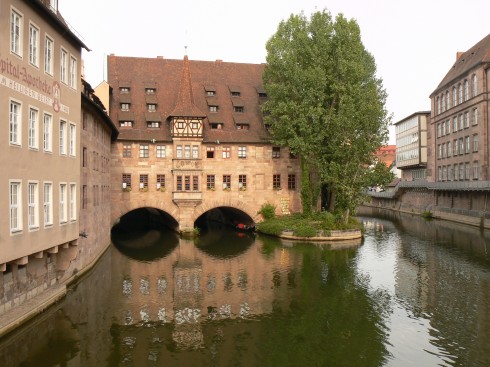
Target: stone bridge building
(192, 140)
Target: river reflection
(415, 293)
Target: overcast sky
(413, 42)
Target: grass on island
(306, 225)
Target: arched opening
(224, 216)
(225, 232)
(145, 234)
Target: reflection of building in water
(188, 289)
(442, 275)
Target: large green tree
(327, 105)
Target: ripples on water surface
(415, 293)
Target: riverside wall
(468, 205)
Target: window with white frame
(144, 151)
(449, 149)
(466, 89)
(178, 153)
(187, 151)
(466, 119)
(33, 45)
(63, 203)
(73, 140)
(461, 171)
(33, 128)
(455, 124)
(195, 151)
(467, 170)
(456, 172)
(461, 146)
(73, 72)
(16, 33)
(63, 133)
(125, 106)
(33, 205)
(48, 203)
(448, 101)
(48, 55)
(161, 151)
(455, 97)
(242, 152)
(47, 132)
(467, 144)
(15, 194)
(64, 66)
(460, 93)
(15, 123)
(73, 202)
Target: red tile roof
(182, 92)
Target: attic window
(154, 124)
(216, 125)
(242, 126)
(234, 91)
(210, 90)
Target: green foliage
(267, 211)
(427, 214)
(326, 104)
(306, 225)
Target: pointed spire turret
(185, 106)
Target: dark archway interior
(148, 229)
(223, 216)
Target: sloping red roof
(185, 106)
(181, 92)
(476, 55)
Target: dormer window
(276, 152)
(125, 106)
(150, 90)
(210, 90)
(242, 126)
(124, 90)
(153, 124)
(152, 107)
(216, 125)
(234, 91)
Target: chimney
(458, 55)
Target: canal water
(413, 293)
